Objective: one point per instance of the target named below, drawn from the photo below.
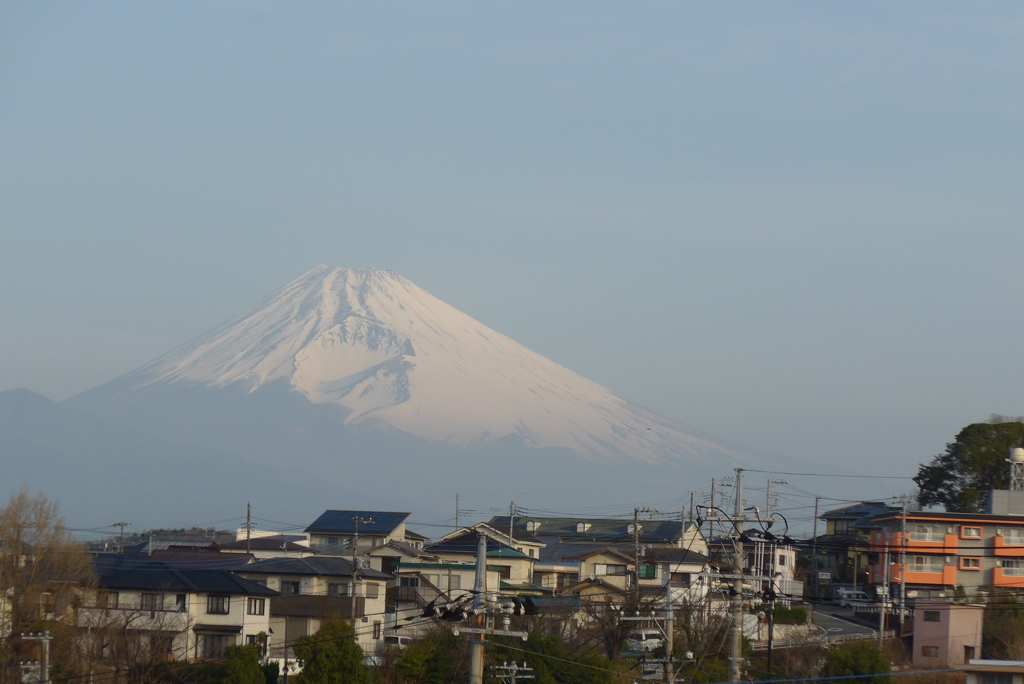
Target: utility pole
(248, 527)
(122, 525)
(355, 563)
(691, 507)
(636, 557)
(814, 547)
(476, 646)
(456, 510)
(736, 637)
(903, 560)
(670, 628)
(44, 637)
(511, 520)
(711, 525)
(884, 598)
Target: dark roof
(859, 514)
(558, 553)
(314, 565)
(402, 547)
(656, 555)
(343, 522)
(601, 529)
(409, 534)
(467, 543)
(187, 559)
(159, 577)
(266, 544)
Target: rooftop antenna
(1016, 469)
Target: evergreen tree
(332, 656)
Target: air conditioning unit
(951, 529)
(999, 531)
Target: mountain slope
(380, 356)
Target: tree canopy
(332, 656)
(971, 465)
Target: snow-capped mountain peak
(395, 357)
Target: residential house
(606, 531)
(994, 672)
(316, 588)
(335, 531)
(158, 612)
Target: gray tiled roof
(313, 565)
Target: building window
(152, 602)
(931, 616)
(256, 606)
(455, 582)
(648, 571)
(1013, 536)
(1012, 568)
(582, 527)
(782, 561)
(409, 582)
(841, 527)
(990, 678)
(371, 590)
(529, 552)
(968, 654)
(106, 600)
(504, 571)
(680, 579)
(970, 533)
(289, 588)
(930, 651)
(970, 563)
(930, 564)
(376, 630)
(218, 605)
(531, 526)
(926, 533)
(214, 645)
(337, 589)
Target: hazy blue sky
(796, 226)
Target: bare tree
(42, 573)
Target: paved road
(838, 626)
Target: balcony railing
(933, 569)
(1013, 572)
(927, 537)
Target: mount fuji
(369, 389)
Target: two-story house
(159, 612)
(315, 588)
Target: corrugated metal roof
(343, 522)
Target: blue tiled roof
(343, 522)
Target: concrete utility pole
(736, 636)
(44, 638)
(355, 561)
(903, 560)
(122, 525)
(885, 589)
(248, 527)
(476, 646)
(670, 628)
(636, 557)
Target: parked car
(644, 640)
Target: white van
(644, 640)
(847, 597)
